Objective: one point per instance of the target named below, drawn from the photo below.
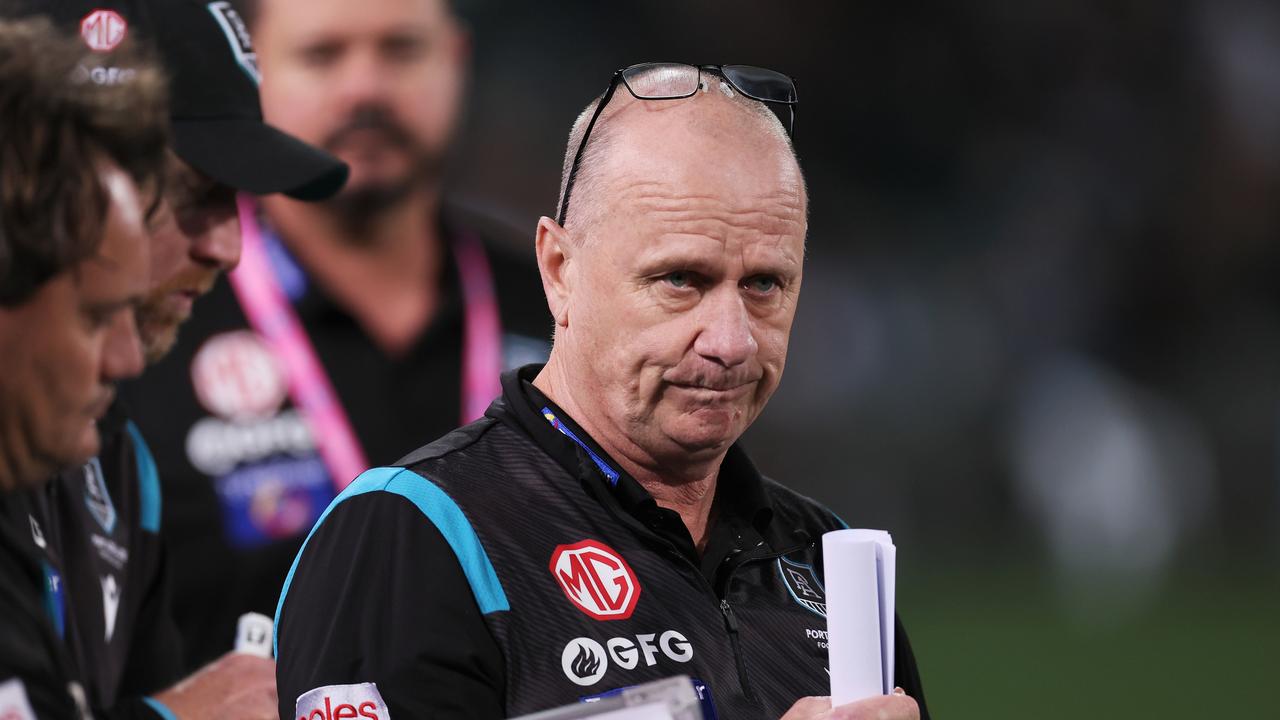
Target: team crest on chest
(596, 579)
(96, 497)
(803, 585)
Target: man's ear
(555, 257)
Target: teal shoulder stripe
(148, 481)
(442, 511)
(160, 708)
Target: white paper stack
(858, 567)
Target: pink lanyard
(273, 318)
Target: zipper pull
(730, 620)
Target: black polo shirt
(454, 583)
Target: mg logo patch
(103, 30)
(803, 585)
(596, 579)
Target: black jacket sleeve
(906, 674)
(30, 652)
(155, 654)
(377, 595)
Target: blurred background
(1039, 339)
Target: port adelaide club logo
(803, 585)
(596, 579)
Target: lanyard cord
(273, 318)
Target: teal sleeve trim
(148, 481)
(164, 712)
(442, 511)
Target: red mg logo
(596, 579)
(103, 30)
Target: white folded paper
(859, 571)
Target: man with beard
(99, 523)
(352, 328)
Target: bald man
(600, 527)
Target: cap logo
(103, 30)
(237, 36)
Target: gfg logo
(596, 579)
(585, 660)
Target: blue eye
(762, 283)
(679, 278)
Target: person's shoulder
(799, 510)
(455, 441)
(470, 454)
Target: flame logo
(585, 663)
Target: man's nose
(725, 336)
(361, 80)
(122, 355)
(219, 244)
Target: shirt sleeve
(29, 664)
(155, 653)
(378, 596)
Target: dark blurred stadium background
(1039, 339)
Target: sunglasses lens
(761, 84)
(660, 81)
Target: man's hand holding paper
(898, 706)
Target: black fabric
(741, 508)
(109, 566)
(379, 596)
(30, 650)
(392, 403)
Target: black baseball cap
(214, 113)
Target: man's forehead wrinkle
(664, 202)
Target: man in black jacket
(600, 527)
(79, 163)
(98, 523)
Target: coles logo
(103, 30)
(236, 377)
(596, 579)
(584, 660)
(342, 702)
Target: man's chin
(87, 444)
(705, 432)
(158, 340)
(356, 204)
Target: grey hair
(584, 212)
